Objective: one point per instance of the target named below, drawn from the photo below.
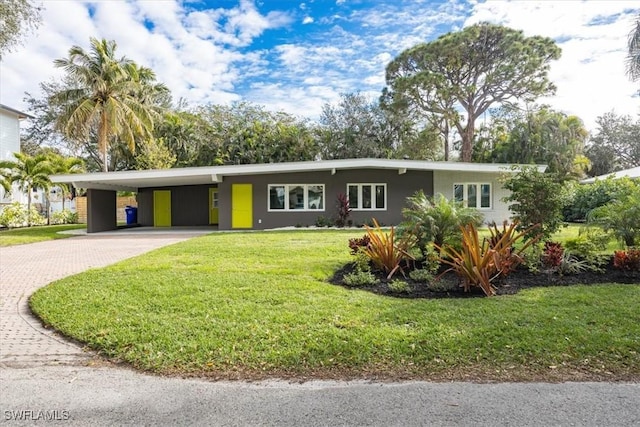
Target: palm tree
(112, 97)
(31, 173)
(65, 166)
(633, 57)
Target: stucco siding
(189, 205)
(9, 135)
(444, 181)
(399, 186)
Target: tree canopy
(460, 75)
(536, 135)
(16, 17)
(113, 98)
(615, 145)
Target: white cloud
(590, 75)
(307, 20)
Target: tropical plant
(633, 55)
(435, 220)
(113, 98)
(30, 173)
(620, 217)
(480, 263)
(552, 254)
(569, 264)
(17, 17)
(627, 260)
(385, 251)
(342, 206)
(65, 166)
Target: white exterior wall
(443, 183)
(9, 144)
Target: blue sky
(296, 56)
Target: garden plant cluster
(440, 239)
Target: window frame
(373, 186)
(287, 188)
(465, 194)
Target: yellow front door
(241, 206)
(213, 206)
(162, 208)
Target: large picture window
(473, 194)
(367, 196)
(296, 197)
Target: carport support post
(101, 211)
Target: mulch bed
(449, 284)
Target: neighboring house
(633, 173)
(9, 144)
(263, 196)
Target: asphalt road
(83, 396)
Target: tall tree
(633, 51)
(354, 128)
(30, 173)
(615, 145)
(111, 97)
(536, 135)
(16, 18)
(470, 70)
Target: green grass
(250, 305)
(20, 236)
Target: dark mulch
(448, 284)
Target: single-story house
(633, 173)
(262, 196)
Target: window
(296, 197)
(367, 196)
(473, 195)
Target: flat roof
(18, 113)
(631, 173)
(133, 180)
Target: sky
(296, 56)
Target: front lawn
(254, 305)
(20, 236)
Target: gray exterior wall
(190, 204)
(101, 211)
(398, 188)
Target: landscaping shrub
(620, 217)
(344, 210)
(421, 275)
(399, 287)
(627, 260)
(552, 254)
(569, 264)
(535, 198)
(65, 216)
(585, 198)
(588, 246)
(356, 243)
(359, 278)
(385, 251)
(16, 215)
(323, 221)
(478, 264)
(436, 220)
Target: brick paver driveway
(25, 268)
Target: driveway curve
(44, 378)
(25, 268)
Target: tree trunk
(29, 206)
(102, 141)
(446, 141)
(467, 141)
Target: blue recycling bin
(131, 213)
